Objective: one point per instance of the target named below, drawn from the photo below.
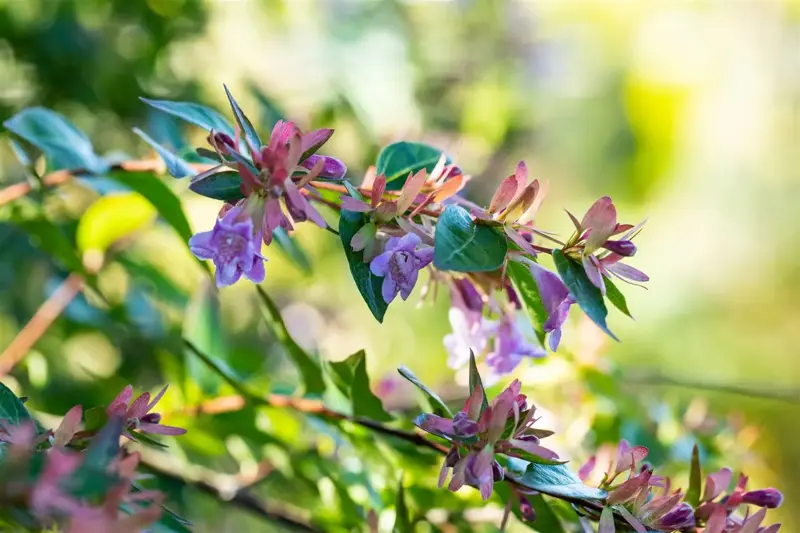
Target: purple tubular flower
(680, 517)
(511, 346)
(331, 168)
(479, 472)
(769, 498)
(399, 265)
(233, 246)
(623, 248)
(465, 295)
(556, 299)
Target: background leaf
(402, 521)
(350, 377)
(588, 297)
(202, 326)
(309, 368)
(399, 159)
(177, 167)
(111, 218)
(196, 114)
(369, 285)
(12, 410)
(292, 249)
(462, 245)
(64, 145)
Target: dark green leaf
(402, 521)
(616, 297)
(528, 291)
(546, 519)
(157, 193)
(437, 404)
(464, 246)
(12, 410)
(309, 368)
(245, 125)
(292, 249)
(202, 326)
(553, 480)
(64, 145)
(475, 381)
(196, 114)
(695, 479)
(400, 159)
(369, 285)
(154, 278)
(588, 297)
(365, 403)
(49, 237)
(177, 167)
(225, 186)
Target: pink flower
(137, 413)
(234, 246)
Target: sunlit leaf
(437, 404)
(475, 381)
(111, 218)
(202, 326)
(462, 245)
(588, 297)
(369, 285)
(528, 292)
(616, 297)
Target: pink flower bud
(623, 248)
(769, 498)
(679, 517)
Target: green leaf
(202, 326)
(225, 186)
(64, 145)
(111, 218)
(219, 367)
(365, 403)
(270, 113)
(157, 193)
(292, 249)
(462, 245)
(177, 167)
(93, 477)
(369, 285)
(546, 519)
(475, 381)
(525, 285)
(12, 410)
(50, 239)
(553, 480)
(588, 297)
(695, 479)
(402, 521)
(245, 125)
(437, 404)
(400, 159)
(95, 418)
(309, 368)
(196, 114)
(616, 297)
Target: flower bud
(469, 294)
(331, 168)
(680, 517)
(623, 248)
(497, 472)
(769, 498)
(526, 509)
(452, 457)
(151, 418)
(463, 426)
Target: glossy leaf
(369, 285)
(553, 480)
(12, 410)
(528, 292)
(111, 218)
(588, 297)
(196, 114)
(292, 249)
(309, 367)
(616, 297)
(64, 145)
(245, 125)
(177, 167)
(400, 159)
(225, 186)
(202, 326)
(462, 245)
(437, 404)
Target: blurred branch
(771, 393)
(202, 480)
(309, 406)
(40, 322)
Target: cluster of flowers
(642, 502)
(67, 478)
(287, 175)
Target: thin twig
(241, 497)
(40, 322)
(771, 393)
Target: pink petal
(68, 427)
(449, 188)
(315, 139)
(591, 267)
(628, 272)
(410, 190)
(157, 398)
(139, 406)
(586, 470)
(378, 188)
(122, 399)
(601, 221)
(504, 194)
(717, 483)
(518, 239)
(160, 429)
(533, 448)
(353, 204)
(606, 521)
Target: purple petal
(389, 289)
(159, 429)
(257, 272)
(408, 242)
(555, 339)
(551, 289)
(353, 204)
(315, 139)
(200, 245)
(332, 167)
(408, 284)
(380, 265)
(227, 274)
(437, 425)
(628, 272)
(424, 256)
(593, 272)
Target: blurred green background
(686, 113)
